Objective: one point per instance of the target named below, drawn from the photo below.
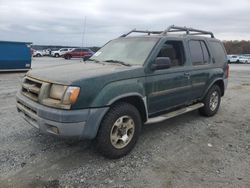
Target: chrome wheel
(214, 101)
(122, 132)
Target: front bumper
(81, 124)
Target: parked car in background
(78, 53)
(47, 52)
(53, 50)
(233, 59)
(244, 59)
(38, 53)
(247, 56)
(61, 52)
(238, 58)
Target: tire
(209, 109)
(121, 114)
(238, 61)
(67, 57)
(56, 55)
(39, 55)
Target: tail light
(227, 71)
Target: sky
(61, 22)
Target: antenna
(84, 30)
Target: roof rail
(141, 31)
(188, 30)
(172, 29)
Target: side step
(174, 113)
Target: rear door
(201, 60)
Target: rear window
(218, 52)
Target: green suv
(131, 81)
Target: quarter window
(219, 52)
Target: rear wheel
(211, 101)
(56, 55)
(67, 56)
(119, 131)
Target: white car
(60, 52)
(47, 52)
(238, 58)
(38, 53)
(244, 59)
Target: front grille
(21, 106)
(31, 88)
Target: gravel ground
(186, 151)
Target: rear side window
(196, 52)
(218, 52)
(199, 52)
(206, 56)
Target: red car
(79, 53)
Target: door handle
(187, 74)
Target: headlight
(61, 96)
(57, 91)
(71, 94)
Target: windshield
(133, 51)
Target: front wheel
(119, 131)
(211, 101)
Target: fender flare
(132, 94)
(210, 85)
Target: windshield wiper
(116, 61)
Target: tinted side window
(196, 52)
(206, 55)
(218, 52)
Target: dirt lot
(187, 151)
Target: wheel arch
(218, 82)
(136, 100)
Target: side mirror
(86, 57)
(161, 63)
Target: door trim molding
(167, 91)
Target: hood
(69, 73)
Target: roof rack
(172, 29)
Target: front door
(170, 87)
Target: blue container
(15, 56)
